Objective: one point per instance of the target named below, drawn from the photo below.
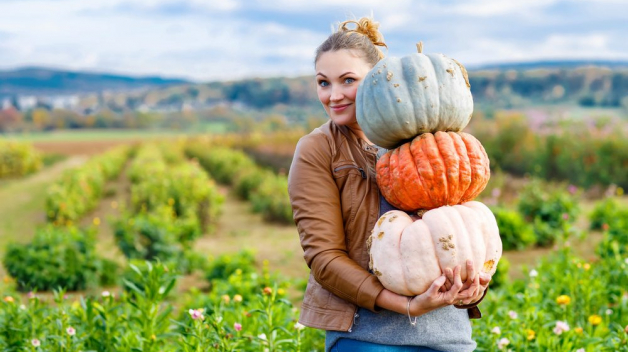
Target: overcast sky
(230, 39)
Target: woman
(336, 203)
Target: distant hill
(45, 81)
(550, 64)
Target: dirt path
(22, 201)
(116, 196)
(240, 228)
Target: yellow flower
(563, 300)
(153, 337)
(170, 201)
(281, 291)
(620, 191)
(8, 299)
(96, 221)
(586, 266)
(531, 334)
(595, 320)
(578, 330)
(226, 299)
(237, 298)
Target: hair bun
(365, 26)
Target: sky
(208, 40)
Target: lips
(338, 108)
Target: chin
(344, 120)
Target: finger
(450, 278)
(457, 279)
(436, 285)
(485, 278)
(470, 272)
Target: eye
(349, 80)
(323, 83)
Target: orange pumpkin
(433, 170)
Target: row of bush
(170, 206)
(541, 215)
(267, 191)
(61, 255)
(80, 189)
(18, 159)
(573, 151)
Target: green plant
(514, 231)
(57, 257)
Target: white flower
(299, 326)
(496, 330)
(261, 336)
(626, 260)
(106, 293)
(22, 307)
(71, 331)
(35, 343)
(580, 350)
(503, 343)
(218, 319)
(512, 314)
(534, 273)
(561, 327)
(609, 311)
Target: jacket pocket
(345, 170)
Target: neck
(359, 133)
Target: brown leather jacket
(335, 203)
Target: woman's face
(338, 74)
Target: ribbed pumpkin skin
(445, 168)
(408, 255)
(401, 98)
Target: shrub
(514, 231)
(272, 200)
(551, 212)
(607, 211)
(18, 159)
(225, 265)
(56, 258)
(151, 236)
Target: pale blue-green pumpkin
(401, 98)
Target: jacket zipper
(362, 172)
(355, 320)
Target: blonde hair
(365, 38)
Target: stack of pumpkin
(416, 106)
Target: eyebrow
(342, 75)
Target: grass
(81, 135)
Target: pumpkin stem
(420, 213)
(419, 47)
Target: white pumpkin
(407, 255)
(401, 98)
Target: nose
(336, 94)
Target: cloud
(231, 39)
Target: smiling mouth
(339, 107)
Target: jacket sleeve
(317, 212)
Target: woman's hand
(436, 297)
(472, 289)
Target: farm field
(240, 251)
